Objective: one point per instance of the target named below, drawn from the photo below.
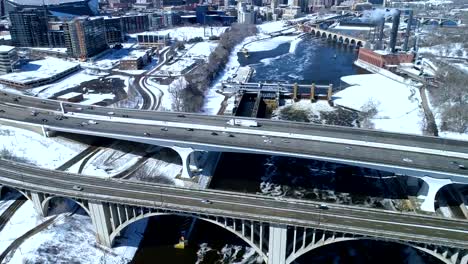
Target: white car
(205, 201)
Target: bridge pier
(100, 216)
(277, 244)
(186, 155)
(37, 203)
(429, 191)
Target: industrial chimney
(408, 29)
(381, 33)
(394, 33)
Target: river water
(314, 60)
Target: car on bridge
(206, 201)
(323, 207)
(77, 188)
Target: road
(380, 223)
(408, 154)
(150, 100)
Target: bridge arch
(324, 34)
(353, 42)
(23, 193)
(448, 23)
(443, 256)
(312, 31)
(335, 38)
(359, 44)
(318, 33)
(45, 204)
(128, 222)
(340, 39)
(346, 41)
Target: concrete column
(37, 203)
(295, 87)
(330, 92)
(277, 244)
(100, 215)
(464, 259)
(429, 191)
(312, 93)
(185, 154)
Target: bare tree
(176, 90)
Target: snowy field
(397, 104)
(71, 81)
(32, 146)
(201, 49)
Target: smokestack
(381, 35)
(408, 30)
(394, 33)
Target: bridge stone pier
(274, 243)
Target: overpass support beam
(429, 191)
(101, 218)
(277, 244)
(37, 203)
(185, 155)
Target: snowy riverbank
(397, 104)
(259, 42)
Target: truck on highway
(242, 122)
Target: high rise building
(85, 37)
(8, 58)
(29, 28)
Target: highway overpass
(437, 161)
(280, 230)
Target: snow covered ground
(397, 104)
(66, 240)
(21, 222)
(32, 146)
(446, 50)
(269, 44)
(201, 49)
(108, 162)
(71, 81)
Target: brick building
(384, 59)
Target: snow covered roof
(40, 69)
(5, 48)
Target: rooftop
(5, 48)
(40, 69)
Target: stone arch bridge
(335, 37)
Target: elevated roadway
(370, 222)
(406, 154)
